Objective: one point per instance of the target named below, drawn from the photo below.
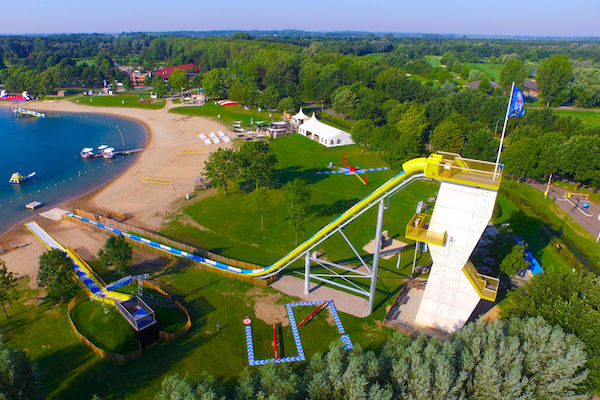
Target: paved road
(588, 219)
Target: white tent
(300, 116)
(325, 134)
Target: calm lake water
(50, 146)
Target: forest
(385, 88)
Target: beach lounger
(216, 140)
(226, 139)
(207, 141)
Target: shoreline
(83, 196)
(145, 204)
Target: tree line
(514, 359)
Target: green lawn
(69, 370)
(589, 118)
(556, 224)
(434, 61)
(109, 331)
(232, 225)
(491, 70)
(227, 114)
(119, 101)
(89, 61)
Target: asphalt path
(586, 218)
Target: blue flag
(517, 104)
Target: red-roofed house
(166, 72)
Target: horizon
(537, 18)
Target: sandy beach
(146, 192)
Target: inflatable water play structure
(18, 178)
(25, 96)
(463, 208)
(28, 113)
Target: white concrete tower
(462, 210)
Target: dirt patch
(267, 308)
(187, 220)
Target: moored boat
(87, 152)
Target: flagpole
(503, 130)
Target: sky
(470, 17)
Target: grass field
(492, 71)
(109, 331)
(589, 117)
(434, 61)
(227, 114)
(119, 101)
(69, 370)
(232, 225)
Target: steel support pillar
(307, 273)
(376, 255)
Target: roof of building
(166, 72)
(300, 115)
(322, 130)
(530, 84)
(475, 84)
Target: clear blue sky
(508, 17)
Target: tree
(268, 98)
(514, 359)
(178, 80)
(569, 299)
(117, 253)
(514, 261)
(8, 286)
(56, 275)
(481, 145)
(553, 76)
(297, 195)
(221, 166)
(17, 375)
(341, 375)
(344, 100)
(127, 84)
(262, 204)
(174, 387)
(362, 131)
(256, 161)
(475, 75)
(273, 381)
(159, 86)
(580, 157)
(287, 104)
(485, 86)
(448, 136)
(513, 71)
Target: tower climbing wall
(450, 296)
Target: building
(165, 73)
(530, 88)
(137, 78)
(475, 84)
(318, 131)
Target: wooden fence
(181, 246)
(116, 357)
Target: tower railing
(486, 286)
